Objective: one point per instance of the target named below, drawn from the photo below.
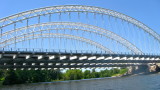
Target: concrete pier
(144, 69)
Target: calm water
(137, 82)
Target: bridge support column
(144, 69)
(138, 69)
(154, 68)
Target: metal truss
(74, 8)
(67, 26)
(17, 59)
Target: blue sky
(146, 11)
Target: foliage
(73, 75)
(87, 74)
(10, 77)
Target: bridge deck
(16, 59)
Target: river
(134, 82)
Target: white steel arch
(73, 26)
(74, 8)
(56, 35)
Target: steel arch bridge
(76, 36)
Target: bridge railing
(51, 50)
(65, 51)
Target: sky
(146, 11)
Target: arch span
(74, 8)
(74, 26)
(56, 35)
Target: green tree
(11, 78)
(55, 75)
(2, 75)
(73, 74)
(87, 74)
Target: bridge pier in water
(143, 69)
(154, 68)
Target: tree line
(9, 77)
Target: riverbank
(137, 82)
(55, 85)
(19, 77)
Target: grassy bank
(10, 77)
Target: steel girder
(16, 59)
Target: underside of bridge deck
(33, 60)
